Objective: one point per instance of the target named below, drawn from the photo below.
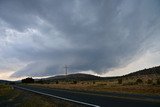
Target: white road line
(66, 99)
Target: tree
(28, 80)
(120, 81)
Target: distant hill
(78, 77)
(4, 81)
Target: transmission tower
(66, 69)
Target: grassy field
(145, 85)
(17, 98)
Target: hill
(71, 77)
(151, 75)
(149, 71)
(4, 81)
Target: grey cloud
(88, 35)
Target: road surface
(96, 100)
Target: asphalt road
(97, 99)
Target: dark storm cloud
(88, 35)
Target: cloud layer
(37, 38)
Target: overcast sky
(103, 37)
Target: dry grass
(18, 98)
(4, 89)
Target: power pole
(66, 69)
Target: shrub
(139, 81)
(129, 83)
(57, 82)
(158, 81)
(119, 81)
(153, 84)
(40, 81)
(74, 82)
(94, 82)
(149, 81)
